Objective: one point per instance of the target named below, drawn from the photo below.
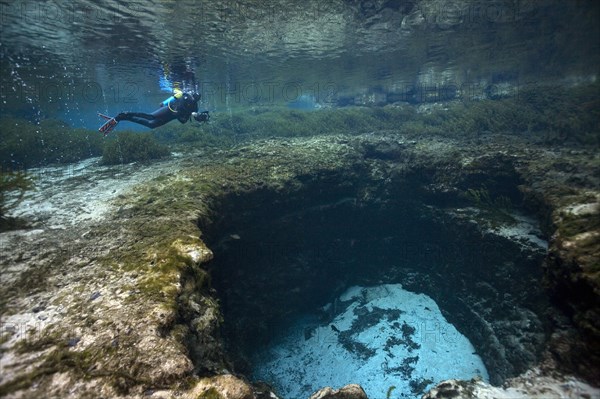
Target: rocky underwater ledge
(114, 292)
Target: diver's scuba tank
(177, 94)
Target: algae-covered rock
(352, 391)
(573, 277)
(125, 303)
(533, 384)
(195, 249)
(221, 387)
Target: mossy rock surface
(131, 294)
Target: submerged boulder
(352, 391)
(533, 384)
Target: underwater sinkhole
(390, 292)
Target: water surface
(70, 59)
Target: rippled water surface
(68, 59)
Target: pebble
(95, 295)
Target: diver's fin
(108, 126)
(104, 116)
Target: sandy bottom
(392, 342)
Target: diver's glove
(201, 116)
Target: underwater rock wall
(572, 269)
(378, 221)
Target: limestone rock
(352, 391)
(106, 292)
(221, 386)
(196, 251)
(533, 384)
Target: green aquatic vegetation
(129, 147)
(13, 186)
(160, 282)
(206, 135)
(39, 342)
(554, 114)
(581, 228)
(228, 129)
(482, 198)
(60, 357)
(474, 118)
(562, 114)
(211, 393)
(498, 209)
(25, 144)
(35, 279)
(152, 251)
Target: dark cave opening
(291, 256)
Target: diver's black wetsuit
(180, 109)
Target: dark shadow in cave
(285, 258)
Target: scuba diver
(181, 106)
